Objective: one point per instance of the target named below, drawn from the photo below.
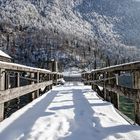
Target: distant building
(5, 57)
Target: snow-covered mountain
(115, 24)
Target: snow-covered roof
(4, 54)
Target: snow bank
(4, 54)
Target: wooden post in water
(2, 87)
(136, 85)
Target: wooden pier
(108, 79)
(18, 80)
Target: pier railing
(19, 80)
(108, 79)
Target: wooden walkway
(83, 114)
(69, 112)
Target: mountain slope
(113, 23)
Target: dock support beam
(2, 87)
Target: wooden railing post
(38, 78)
(50, 78)
(32, 82)
(136, 85)
(104, 88)
(7, 80)
(86, 78)
(137, 109)
(114, 97)
(17, 80)
(136, 79)
(2, 87)
(92, 78)
(7, 86)
(93, 75)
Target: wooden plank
(18, 67)
(123, 91)
(10, 94)
(122, 67)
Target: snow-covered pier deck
(69, 112)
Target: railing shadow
(87, 125)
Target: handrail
(108, 78)
(124, 67)
(17, 80)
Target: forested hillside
(73, 32)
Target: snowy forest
(81, 33)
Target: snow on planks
(69, 112)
